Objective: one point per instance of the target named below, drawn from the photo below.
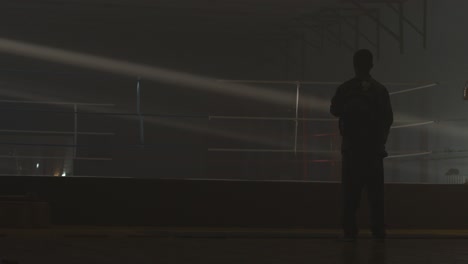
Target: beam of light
(225, 133)
(147, 72)
(162, 75)
(154, 74)
(415, 89)
(414, 125)
(410, 155)
(447, 129)
(172, 123)
(400, 117)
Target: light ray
(172, 122)
(149, 72)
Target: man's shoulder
(349, 83)
(378, 85)
(354, 82)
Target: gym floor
(189, 245)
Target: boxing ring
(308, 140)
(420, 155)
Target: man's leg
(351, 195)
(375, 190)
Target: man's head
(363, 61)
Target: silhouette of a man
(365, 116)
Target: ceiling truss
(331, 23)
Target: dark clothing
(363, 148)
(381, 115)
(360, 172)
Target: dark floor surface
(93, 247)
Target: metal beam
(338, 38)
(409, 22)
(317, 32)
(342, 18)
(312, 28)
(425, 23)
(398, 8)
(367, 13)
(141, 117)
(401, 16)
(361, 34)
(310, 44)
(337, 14)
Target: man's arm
(387, 115)
(336, 107)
